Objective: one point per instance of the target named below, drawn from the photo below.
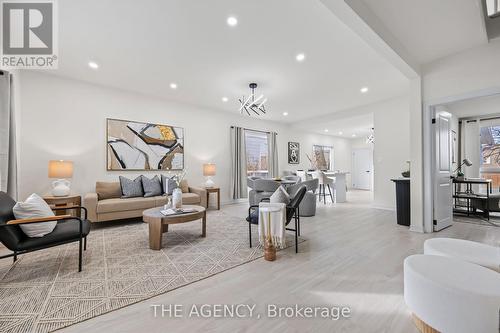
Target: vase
(177, 198)
(269, 250)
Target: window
(493, 8)
(257, 153)
(322, 157)
(490, 154)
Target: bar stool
(323, 181)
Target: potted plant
(406, 173)
(177, 192)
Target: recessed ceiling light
(354, 135)
(93, 65)
(173, 85)
(340, 133)
(232, 21)
(364, 90)
(225, 99)
(326, 130)
(285, 114)
(300, 57)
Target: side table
(213, 190)
(68, 202)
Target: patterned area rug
(43, 291)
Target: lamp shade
(209, 169)
(60, 169)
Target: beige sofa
(106, 203)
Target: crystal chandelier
(252, 103)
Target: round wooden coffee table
(158, 223)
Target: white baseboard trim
(393, 209)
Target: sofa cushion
(168, 184)
(190, 199)
(124, 204)
(131, 188)
(280, 196)
(151, 187)
(108, 190)
(184, 186)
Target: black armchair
(68, 229)
(292, 212)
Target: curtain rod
(254, 130)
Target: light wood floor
(353, 256)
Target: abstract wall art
(293, 153)
(133, 145)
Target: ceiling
(143, 47)
(432, 29)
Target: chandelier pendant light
(253, 104)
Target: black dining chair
(68, 229)
(292, 212)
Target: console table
(469, 194)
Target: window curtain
(273, 166)
(238, 164)
(8, 156)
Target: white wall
(66, 119)
(391, 149)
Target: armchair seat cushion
(119, 204)
(254, 216)
(65, 231)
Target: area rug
(43, 291)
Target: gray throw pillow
(168, 185)
(151, 187)
(131, 188)
(280, 196)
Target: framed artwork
(137, 146)
(293, 153)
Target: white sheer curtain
(238, 164)
(273, 166)
(8, 156)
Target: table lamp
(60, 170)
(209, 171)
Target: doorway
(362, 169)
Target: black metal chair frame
(82, 240)
(295, 217)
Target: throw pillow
(280, 196)
(184, 186)
(34, 206)
(131, 188)
(168, 185)
(108, 190)
(152, 187)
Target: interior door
(443, 203)
(362, 165)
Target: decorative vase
(177, 198)
(269, 250)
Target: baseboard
(384, 208)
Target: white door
(362, 169)
(443, 207)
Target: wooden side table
(69, 201)
(213, 190)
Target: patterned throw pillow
(151, 187)
(280, 196)
(131, 188)
(168, 185)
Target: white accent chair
(477, 253)
(451, 295)
(323, 181)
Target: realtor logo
(29, 38)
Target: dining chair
(323, 182)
